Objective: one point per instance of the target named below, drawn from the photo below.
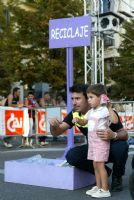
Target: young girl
(98, 150)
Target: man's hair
(80, 88)
(97, 89)
(15, 89)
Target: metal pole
(69, 70)
(85, 49)
(103, 81)
(69, 66)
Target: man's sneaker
(116, 184)
(92, 191)
(8, 145)
(101, 193)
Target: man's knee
(77, 155)
(68, 156)
(71, 158)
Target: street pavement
(12, 191)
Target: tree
(6, 39)
(29, 58)
(123, 69)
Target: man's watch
(115, 136)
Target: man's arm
(122, 134)
(57, 128)
(112, 116)
(108, 134)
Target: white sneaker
(44, 143)
(8, 145)
(101, 193)
(92, 191)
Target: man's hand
(107, 134)
(57, 127)
(54, 122)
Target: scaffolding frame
(94, 55)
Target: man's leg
(118, 156)
(77, 157)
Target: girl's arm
(81, 122)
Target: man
(45, 102)
(77, 156)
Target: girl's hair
(97, 89)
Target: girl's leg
(103, 175)
(96, 188)
(31, 126)
(102, 181)
(97, 174)
(30, 140)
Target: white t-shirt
(97, 118)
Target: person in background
(2, 101)
(59, 101)
(77, 156)
(31, 104)
(45, 102)
(12, 100)
(118, 107)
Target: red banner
(14, 122)
(41, 122)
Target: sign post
(69, 69)
(68, 33)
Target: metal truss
(94, 55)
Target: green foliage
(123, 71)
(6, 39)
(25, 53)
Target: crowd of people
(30, 101)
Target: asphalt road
(12, 191)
